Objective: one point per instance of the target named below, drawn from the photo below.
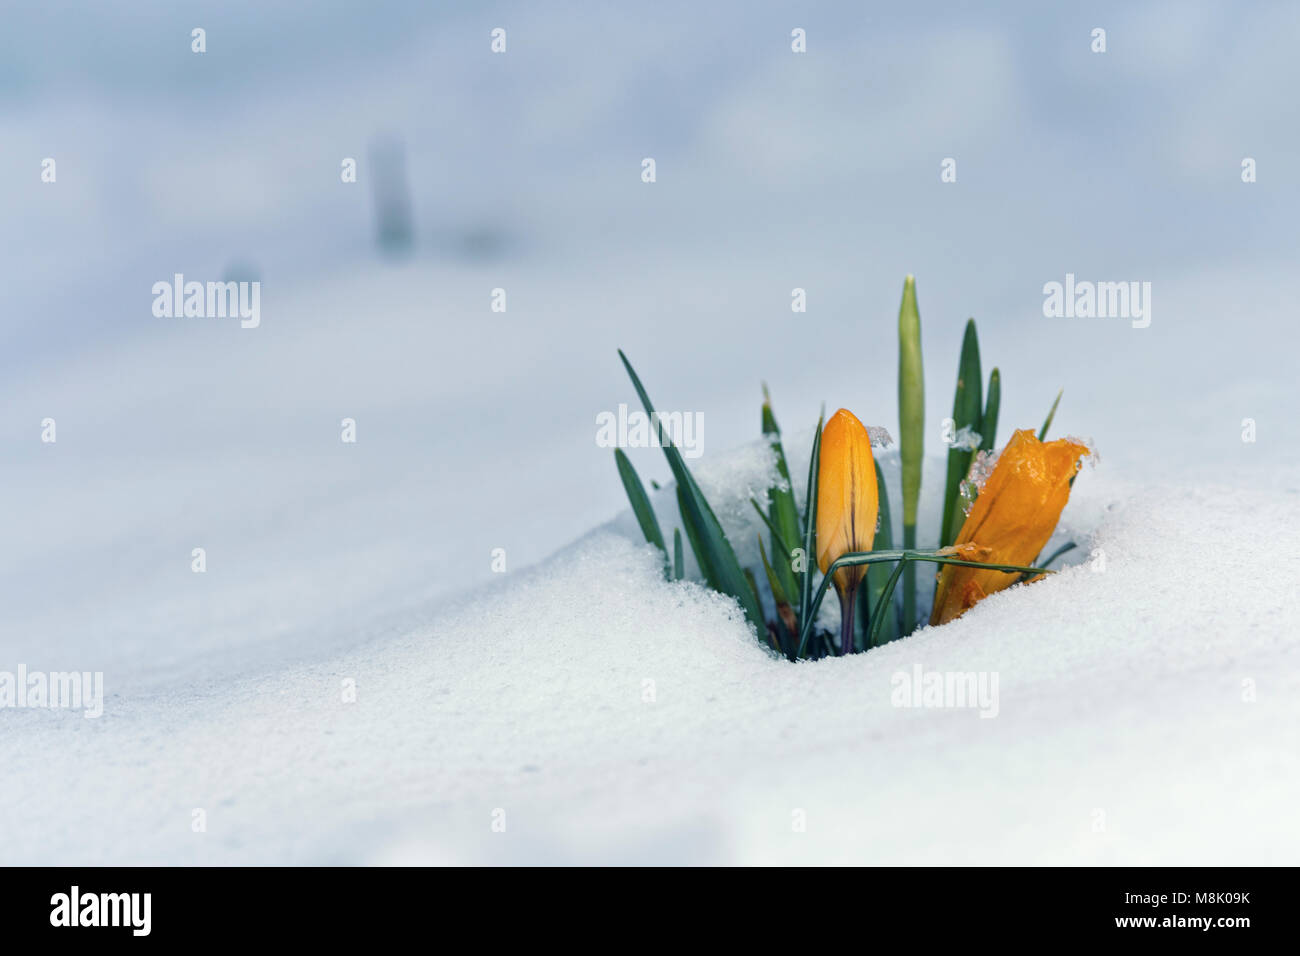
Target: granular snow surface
(1146, 709)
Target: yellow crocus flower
(1011, 520)
(847, 503)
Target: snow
(615, 716)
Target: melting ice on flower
(879, 435)
(966, 439)
(980, 469)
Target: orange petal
(1012, 519)
(847, 496)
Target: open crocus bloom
(1012, 519)
(847, 501)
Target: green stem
(810, 524)
(848, 607)
(909, 582)
(853, 558)
(888, 595)
(1068, 546)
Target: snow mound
(1144, 709)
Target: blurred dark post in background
(392, 195)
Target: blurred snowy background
(476, 429)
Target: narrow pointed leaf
(645, 514)
(874, 635)
(967, 410)
(773, 582)
(708, 538)
(810, 533)
(778, 543)
(783, 513)
(1063, 549)
(878, 574)
(1047, 423)
(693, 536)
(786, 628)
(679, 559)
(753, 590)
(992, 403)
(911, 430)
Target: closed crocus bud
(847, 503)
(1012, 519)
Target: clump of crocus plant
(847, 505)
(1012, 515)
